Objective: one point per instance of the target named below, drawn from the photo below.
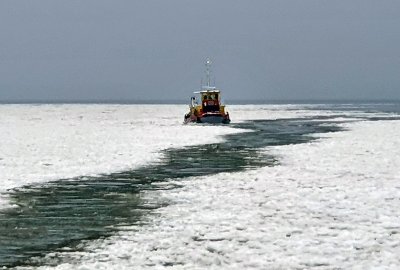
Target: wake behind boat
(210, 109)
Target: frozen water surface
(49, 142)
(286, 202)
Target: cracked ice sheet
(41, 143)
(272, 112)
(50, 142)
(331, 204)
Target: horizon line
(181, 101)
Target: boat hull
(214, 119)
(208, 118)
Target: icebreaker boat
(206, 105)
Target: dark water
(62, 213)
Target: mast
(208, 72)
(208, 85)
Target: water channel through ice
(329, 201)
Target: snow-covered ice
(331, 204)
(41, 143)
(49, 142)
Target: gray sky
(155, 49)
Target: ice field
(49, 142)
(312, 187)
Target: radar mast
(208, 75)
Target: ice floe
(49, 142)
(330, 204)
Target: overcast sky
(155, 49)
